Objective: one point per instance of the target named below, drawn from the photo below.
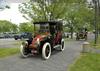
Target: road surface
(9, 42)
(59, 61)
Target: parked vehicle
(48, 36)
(23, 35)
(7, 35)
(1, 35)
(82, 34)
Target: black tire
(23, 50)
(46, 51)
(62, 47)
(16, 39)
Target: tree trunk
(71, 32)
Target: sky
(14, 1)
(13, 13)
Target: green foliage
(14, 28)
(87, 62)
(75, 12)
(93, 45)
(43, 10)
(6, 26)
(4, 7)
(4, 52)
(79, 15)
(8, 7)
(26, 27)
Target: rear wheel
(62, 45)
(46, 51)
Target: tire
(16, 39)
(62, 45)
(46, 51)
(85, 37)
(23, 51)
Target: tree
(44, 10)
(3, 5)
(75, 12)
(79, 16)
(6, 26)
(14, 28)
(26, 27)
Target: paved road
(59, 61)
(6, 43)
(9, 42)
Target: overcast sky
(12, 14)
(14, 1)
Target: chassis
(47, 36)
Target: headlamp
(38, 42)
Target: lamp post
(98, 9)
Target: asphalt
(9, 43)
(59, 61)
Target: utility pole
(95, 20)
(98, 7)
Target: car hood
(39, 38)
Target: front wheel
(23, 50)
(15, 38)
(46, 51)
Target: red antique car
(47, 36)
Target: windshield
(41, 28)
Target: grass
(4, 52)
(87, 62)
(97, 46)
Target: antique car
(47, 36)
(82, 34)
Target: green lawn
(87, 62)
(97, 45)
(8, 51)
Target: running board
(57, 46)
